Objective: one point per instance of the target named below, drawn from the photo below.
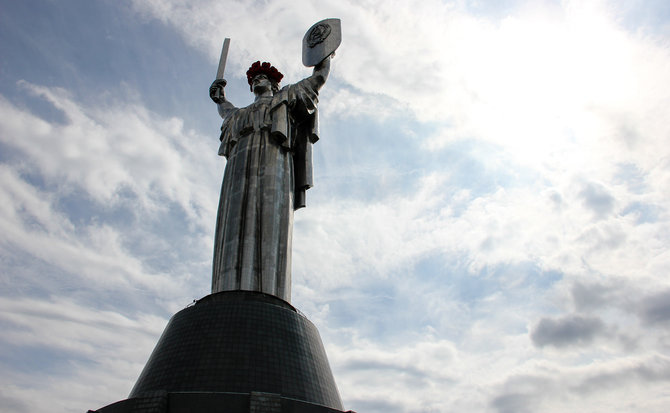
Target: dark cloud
(373, 404)
(12, 404)
(652, 309)
(411, 376)
(655, 309)
(565, 331)
(515, 403)
(597, 199)
(526, 393)
(656, 369)
(523, 393)
(592, 295)
(383, 366)
(615, 294)
(601, 381)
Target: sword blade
(224, 57)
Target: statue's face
(261, 83)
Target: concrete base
(234, 352)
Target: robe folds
(268, 147)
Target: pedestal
(235, 351)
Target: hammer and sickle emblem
(318, 34)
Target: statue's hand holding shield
(321, 41)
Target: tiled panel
(241, 341)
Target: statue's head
(259, 73)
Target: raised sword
(223, 58)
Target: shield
(320, 41)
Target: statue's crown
(265, 68)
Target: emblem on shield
(318, 34)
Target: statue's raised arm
(268, 147)
(321, 72)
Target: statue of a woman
(268, 146)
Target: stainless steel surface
(223, 58)
(320, 41)
(268, 146)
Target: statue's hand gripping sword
(216, 90)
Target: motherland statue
(244, 348)
(268, 147)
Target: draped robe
(268, 146)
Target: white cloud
(88, 346)
(94, 253)
(112, 147)
(555, 389)
(113, 159)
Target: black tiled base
(231, 347)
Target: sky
(489, 229)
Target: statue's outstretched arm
(217, 94)
(320, 73)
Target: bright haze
(489, 229)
